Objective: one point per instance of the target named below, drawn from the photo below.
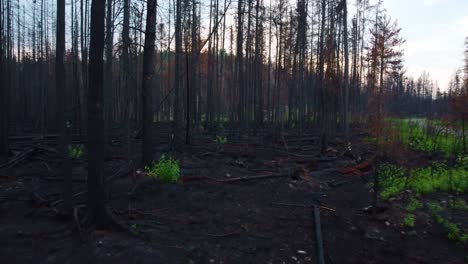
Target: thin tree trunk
(96, 192)
(346, 69)
(108, 65)
(84, 65)
(4, 93)
(177, 72)
(148, 76)
(63, 122)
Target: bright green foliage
(453, 231)
(221, 140)
(392, 180)
(415, 135)
(434, 207)
(436, 178)
(75, 151)
(413, 205)
(439, 178)
(409, 220)
(166, 169)
(459, 204)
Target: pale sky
(435, 32)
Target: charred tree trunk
(63, 122)
(239, 64)
(125, 60)
(84, 64)
(4, 93)
(96, 192)
(148, 75)
(109, 60)
(346, 69)
(177, 73)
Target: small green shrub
(134, 227)
(434, 207)
(75, 151)
(413, 205)
(439, 177)
(454, 233)
(392, 180)
(459, 204)
(221, 140)
(436, 178)
(166, 169)
(409, 220)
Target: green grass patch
(221, 140)
(452, 231)
(459, 204)
(435, 178)
(413, 205)
(416, 135)
(392, 180)
(439, 178)
(75, 151)
(409, 220)
(166, 169)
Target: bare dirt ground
(216, 214)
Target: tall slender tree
(148, 75)
(177, 73)
(346, 68)
(96, 197)
(3, 92)
(63, 123)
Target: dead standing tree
(148, 75)
(100, 214)
(63, 117)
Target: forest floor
(216, 214)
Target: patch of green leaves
(221, 140)
(75, 151)
(459, 204)
(414, 134)
(439, 178)
(413, 205)
(166, 169)
(453, 232)
(409, 220)
(435, 178)
(392, 180)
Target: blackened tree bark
(194, 73)
(239, 63)
(63, 124)
(148, 74)
(109, 59)
(346, 69)
(321, 79)
(96, 196)
(177, 72)
(4, 101)
(84, 63)
(126, 71)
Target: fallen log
(237, 179)
(18, 158)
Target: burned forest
(222, 131)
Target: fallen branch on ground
(237, 179)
